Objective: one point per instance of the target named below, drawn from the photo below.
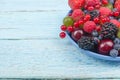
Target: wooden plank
(40, 58)
(33, 5)
(30, 24)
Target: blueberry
(85, 11)
(117, 46)
(119, 19)
(111, 1)
(96, 40)
(114, 53)
(95, 33)
(117, 41)
(100, 37)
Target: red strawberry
(76, 4)
(117, 5)
(116, 22)
(89, 26)
(105, 11)
(77, 14)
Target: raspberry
(89, 26)
(76, 4)
(115, 22)
(77, 14)
(105, 11)
(92, 2)
(117, 5)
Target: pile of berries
(94, 25)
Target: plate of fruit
(93, 26)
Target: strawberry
(77, 14)
(76, 4)
(104, 11)
(115, 22)
(117, 5)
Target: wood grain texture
(30, 46)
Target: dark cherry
(76, 35)
(105, 46)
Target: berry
(105, 46)
(116, 13)
(111, 1)
(77, 34)
(95, 33)
(115, 22)
(89, 26)
(76, 4)
(93, 14)
(96, 20)
(62, 35)
(97, 6)
(86, 43)
(70, 29)
(117, 41)
(117, 46)
(114, 53)
(76, 24)
(90, 8)
(92, 2)
(104, 11)
(117, 5)
(98, 29)
(118, 33)
(68, 21)
(110, 6)
(96, 40)
(77, 14)
(87, 18)
(108, 30)
(63, 28)
(81, 22)
(105, 2)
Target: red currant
(81, 22)
(70, 29)
(108, 19)
(90, 8)
(104, 20)
(63, 28)
(96, 20)
(62, 35)
(97, 6)
(116, 13)
(104, 2)
(76, 24)
(87, 18)
(98, 28)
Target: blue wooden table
(31, 48)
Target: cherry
(62, 35)
(70, 29)
(63, 28)
(105, 46)
(77, 34)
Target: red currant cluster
(94, 22)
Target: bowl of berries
(93, 26)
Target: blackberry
(108, 30)
(86, 43)
(93, 14)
